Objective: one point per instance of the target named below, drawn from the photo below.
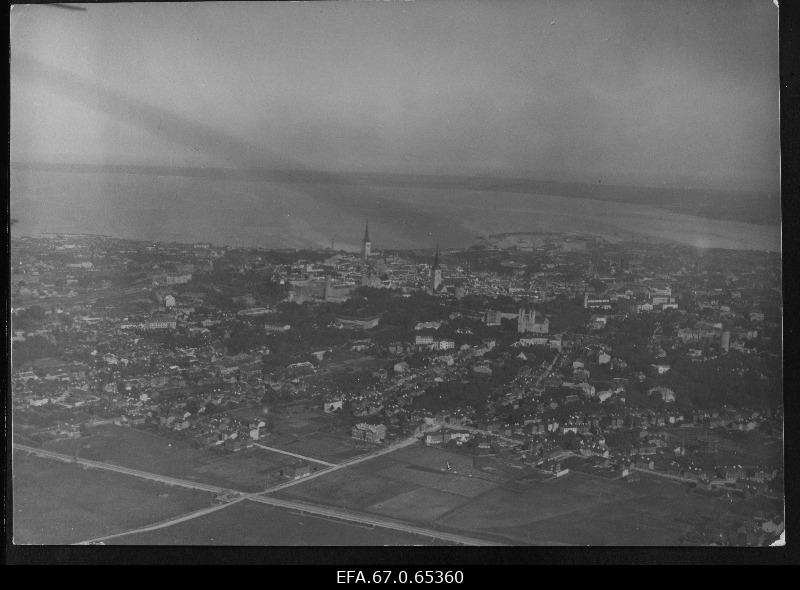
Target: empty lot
(60, 503)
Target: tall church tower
(366, 245)
(529, 321)
(436, 273)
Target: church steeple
(366, 244)
(436, 274)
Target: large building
(355, 323)
(492, 318)
(530, 321)
(596, 302)
(373, 433)
(366, 244)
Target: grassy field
(656, 514)
(320, 446)
(424, 504)
(256, 524)
(57, 503)
(414, 485)
(245, 470)
(460, 485)
(66, 503)
(313, 433)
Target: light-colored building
(528, 320)
(372, 433)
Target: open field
(414, 485)
(314, 434)
(248, 523)
(425, 504)
(460, 485)
(59, 503)
(244, 470)
(346, 488)
(657, 514)
(328, 447)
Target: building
(353, 323)
(445, 344)
(529, 321)
(372, 433)
(595, 302)
(424, 340)
(492, 318)
(338, 292)
(401, 367)
(661, 368)
(664, 393)
(554, 342)
(161, 323)
(436, 274)
(332, 406)
(366, 244)
(369, 278)
(725, 341)
(177, 279)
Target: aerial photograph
(396, 273)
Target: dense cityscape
(539, 364)
(292, 277)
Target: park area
(55, 503)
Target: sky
(667, 92)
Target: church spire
(366, 244)
(436, 274)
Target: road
(372, 520)
(388, 449)
(676, 478)
(547, 372)
(282, 452)
(165, 523)
(172, 481)
(312, 509)
(512, 441)
(260, 497)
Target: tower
(436, 273)
(529, 321)
(725, 341)
(366, 245)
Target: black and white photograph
(406, 273)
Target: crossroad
(312, 509)
(260, 497)
(388, 449)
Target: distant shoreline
(755, 207)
